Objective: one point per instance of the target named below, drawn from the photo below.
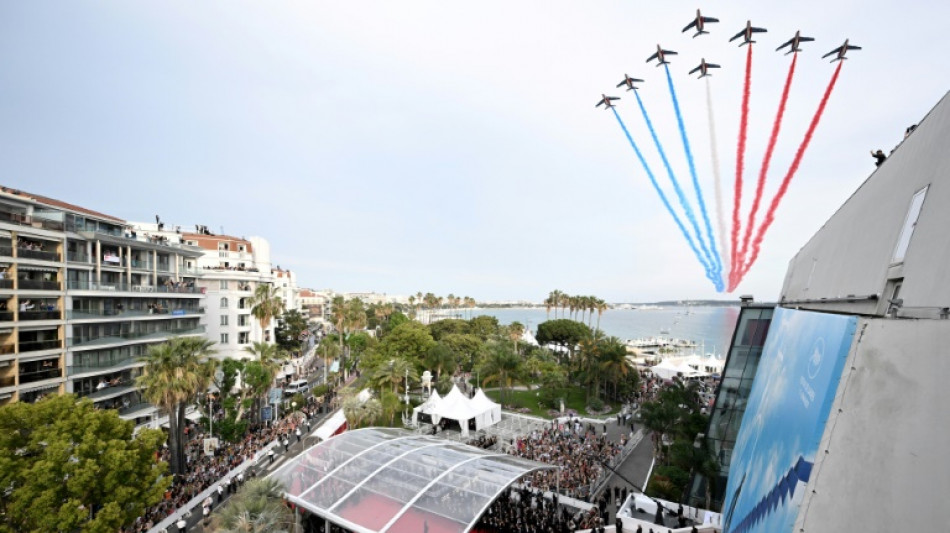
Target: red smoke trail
(740, 154)
(770, 214)
(776, 126)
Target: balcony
(6, 316)
(78, 285)
(23, 219)
(38, 285)
(54, 314)
(36, 346)
(7, 381)
(40, 375)
(107, 366)
(6, 283)
(91, 340)
(7, 349)
(6, 251)
(78, 257)
(24, 253)
(92, 314)
(164, 267)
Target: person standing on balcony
(26, 306)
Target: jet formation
(746, 33)
(794, 43)
(841, 51)
(629, 83)
(606, 100)
(660, 56)
(703, 68)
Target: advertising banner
(788, 407)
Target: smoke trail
(705, 258)
(740, 155)
(720, 213)
(714, 260)
(659, 191)
(776, 126)
(770, 214)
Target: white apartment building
(286, 283)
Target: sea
(709, 327)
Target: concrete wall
(883, 460)
(852, 253)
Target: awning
(33, 268)
(328, 428)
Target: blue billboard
(785, 417)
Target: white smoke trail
(720, 215)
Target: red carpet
(374, 511)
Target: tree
(290, 326)
(257, 508)
(260, 373)
(67, 466)
(175, 371)
(466, 348)
(448, 326)
(441, 358)
(395, 320)
(484, 326)
(410, 341)
(502, 366)
(356, 410)
(265, 305)
(562, 332)
(394, 373)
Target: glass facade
(742, 362)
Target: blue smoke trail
(663, 198)
(706, 258)
(716, 261)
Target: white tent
(456, 406)
(489, 411)
(666, 369)
(427, 407)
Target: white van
(297, 387)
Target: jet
(628, 81)
(703, 68)
(795, 42)
(606, 100)
(700, 24)
(746, 33)
(841, 51)
(660, 56)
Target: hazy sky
(451, 147)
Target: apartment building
(286, 283)
(82, 297)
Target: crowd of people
(204, 471)
(576, 449)
(484, 442)
(528, 511)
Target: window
(910, 222)
(224, 338)
(224, 303)
(224, 320)
(223, 284)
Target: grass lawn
(528, 398)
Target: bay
(710, 325)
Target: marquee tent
(456, 406)
(489, 411)
(427, 407)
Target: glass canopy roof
(393, 480)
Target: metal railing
(24, 253)
(6, 316)
(55, 314)
(134, 407)
(132, 335)
(40, 375)
(7, 381)
(7, 349)
(80, 314)
(143, 265)
(81, 285)
(6, 283)
(115, 364)
(27, 220)
(6, 251)
(35, 346)
(40, 285)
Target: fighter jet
(746, 33)
(606, 100)
(660, 56)
(703, 68)
(841, 51)
(699, 23)
(795, 42)
(628, 81)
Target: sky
(454, 147)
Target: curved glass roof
(393, 480)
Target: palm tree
(394, 373)
(356, 410)
(338, 318)
(257, 508)
(515, 332)
(265, 305)
(268, 356)
(613, 361)
(601, 307)
(502, 366)
(175, 371)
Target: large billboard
(785, 417)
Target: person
(910, 129)
(879, 155)
(181, 524)
(26, 306)
(270, 454)
(102, 384)
(3, 273)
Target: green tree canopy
(563, 332)
(410, 341)
(448, 326)
(290, 326)
(484, 326)
(396, 319)
(70, 467)
(257, 508)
